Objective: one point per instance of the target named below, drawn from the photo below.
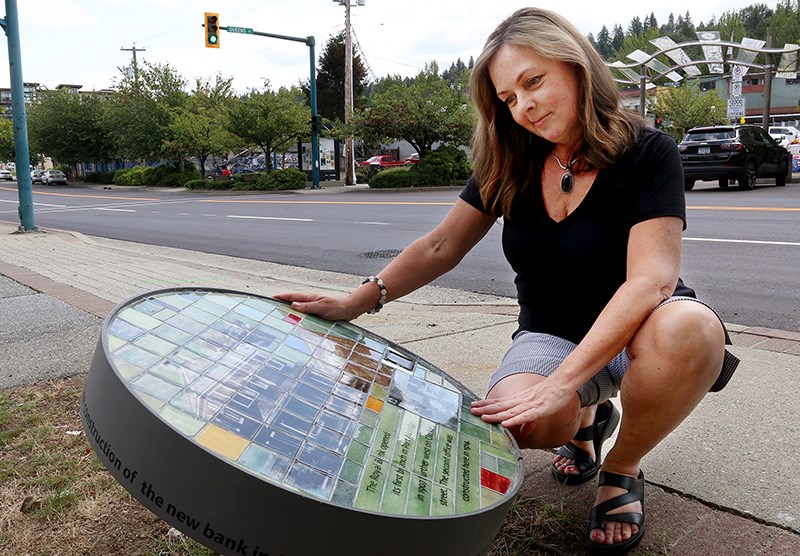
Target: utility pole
(349, 158)
(10, 25)
(135, 65)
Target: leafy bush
(130, 176)
(362, 175)
(287, 178)
(277, 180)
(104, 178)
(447, 165)
(394, 177)
(207, 184)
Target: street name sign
(244, 30)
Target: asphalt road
(741, 248)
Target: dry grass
(56, 499)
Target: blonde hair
(505, 154)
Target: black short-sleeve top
(567, 271)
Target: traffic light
(212, 30)
(316, 123)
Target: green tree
(7, 149)
(270, 120)
(70, 127)
(686, 107)
(331, 79)
(198, 127)
(139, 114)
(423, 112)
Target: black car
(741, 152)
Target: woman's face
(541, 93)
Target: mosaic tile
(324, 408)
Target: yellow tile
(222, 442)
(374, 404)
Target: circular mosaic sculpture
(258, 430)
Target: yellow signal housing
(212, 29)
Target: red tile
(496, 482)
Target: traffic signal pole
(23, 160)
(315, 118)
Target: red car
(382, 161)
(413, 159)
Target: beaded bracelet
(382, 300)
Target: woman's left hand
(524, 408)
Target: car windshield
(710, 135)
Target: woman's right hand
(325, 306)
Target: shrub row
(277, 180)
(166, 175)
(447, 165)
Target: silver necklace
(567, 179)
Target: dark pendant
(567, 181)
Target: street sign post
(736, 107)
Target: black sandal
(605, 423)
(599, 515)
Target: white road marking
(270, 218)
(116, 210)
(753, 241)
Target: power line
(363, 56)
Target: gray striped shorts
(541, 354)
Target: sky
(79, 42)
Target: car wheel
(723, 183)
(748, 178)
(784, 175)
(688, 185)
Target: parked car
(741, 152)
(54, 176)
(36, 176)
(6, 175)
(381, 161)
(413, 159)
(791, 137)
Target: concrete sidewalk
(726, 482)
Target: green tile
(209, 306)
(115, 342)
(155, 344)
(364, 433)
(127, 371)
(292, 355)
(419, 499)
(443, 502)
(427, 438)
(500, 440)
(477, 432)
(357, 452)
(344, 494)
(507, 468)
(386, 433)
(490, 497)
(406, 442)
(227, 301)
(379, 392)
(502, 454)
(489, 462)
(174, 373)
(138, 319)
(351, 472)
(468, 498)
(396, 491)
(182, 421)
(446, 458)
(370, 418)
(176, 300)
(164, 314)
(198, 315)
(371, 486)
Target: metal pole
(314, 134)
(768, 61)
(642, 88)
(23, 158)
(348, 96)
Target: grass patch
(56, 498)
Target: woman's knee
(549, 432)
(681, 330)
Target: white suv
(792, 135)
